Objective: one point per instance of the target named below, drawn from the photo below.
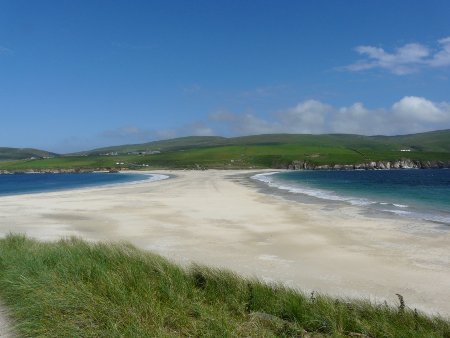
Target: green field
(72, 288)
(262, 151)
(22, 153)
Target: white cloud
(406, 59)
(244, 124)
(409, 115)
(251, 124)
(442, 58)
(420, 109)
(306, 117)
(350, 118)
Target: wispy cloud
(442, 58)
(408, 115)
(406, 59)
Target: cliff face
(400, 164)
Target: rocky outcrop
(372, 165)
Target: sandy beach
(5, 324)
(211, 217)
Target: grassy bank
(75, 289)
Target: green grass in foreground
(75, 289)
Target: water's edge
(47, 186)
(369, 206)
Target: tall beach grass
(72, 288)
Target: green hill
(164, 145)
(431, 149)
(435, 141)
(23, 153)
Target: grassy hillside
(436, 141)
(72, 288)
(164, 145)
(225, 157)
(22, 153)
(260, 151)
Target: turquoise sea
(419, 194)
(15, 184)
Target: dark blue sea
(15, 184)
(420, 194)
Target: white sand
(5, 325)
(208, 217)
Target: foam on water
(420, 215)
(417, 210)
(313, 192)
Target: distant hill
(164, 145)
(434, 141)
(23, 153)
(431, 149)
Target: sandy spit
(210, 217)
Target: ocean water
(34, 183)
(420, 194)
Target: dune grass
(72, 288)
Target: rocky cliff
(399, 164)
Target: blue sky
(76, 75)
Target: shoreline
(336, 167)
(151, 177)
(370, 205)
(211, 218)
